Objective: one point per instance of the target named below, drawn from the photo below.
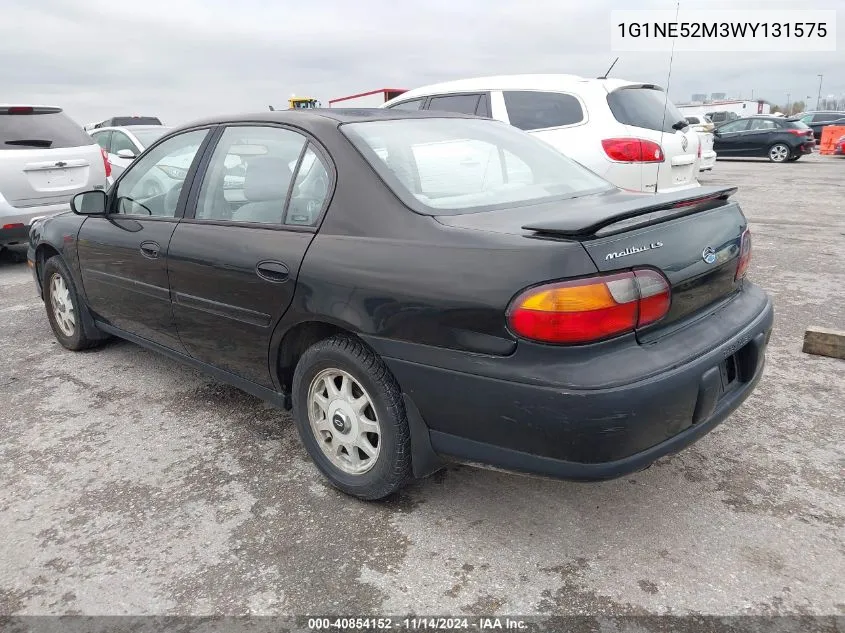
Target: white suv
(45, 159)
(629, 133)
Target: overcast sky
(182, 59)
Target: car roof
(318, 117)
(544, 81)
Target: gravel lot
(132, 485)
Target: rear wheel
(63, 306)
(349, 413)
(779, 153)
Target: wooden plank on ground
(824, 342)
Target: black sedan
(419, 288)
(778, 138)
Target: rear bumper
(14, 216)
(590, 434)
(708, 160)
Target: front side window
(450, 166)
(534, 110)
(735, 126)
(151, 186)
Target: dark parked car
(412, 308)
(817, 121)
(780, 139)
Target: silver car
(45, 159)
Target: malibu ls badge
(631, 250)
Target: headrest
(267, 178)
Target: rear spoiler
(592, 220)
(22, 109)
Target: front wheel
(63, 306)
(779, 153)
(349, 413)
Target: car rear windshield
(30, 129)
(796, 125)
(443, 166)
(646, 107)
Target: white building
(737, 106)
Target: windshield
(644, 107)
(148, 137)
(451, 166)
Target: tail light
(744, 255)
(633, 150)
(592, 309)
(699, 149)
(106, 162)
(16, 225)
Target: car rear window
(446, 166)
(535, 110)
(31, 129)
(648, 108)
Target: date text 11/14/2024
(415, 624)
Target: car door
(729, 138)
(120, 141)
(123, 256)
(233, 261)
(758, 138)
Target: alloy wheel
(62, 305)
(779, 153)
(344, 421)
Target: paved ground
(130, 484)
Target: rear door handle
(150, 250)
(275, 272)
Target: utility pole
(819, 97)
(788, 111)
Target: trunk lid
(693, 237)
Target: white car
(629, 133)
(125, 144)
(704, 126)
(45, 159)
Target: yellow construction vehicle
(299, 103)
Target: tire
(64, 313)
(779, 153)
(367, 465)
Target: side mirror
(716, 132)
(126, 153)
(89, 203)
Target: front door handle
(150, 250)
(275, 272)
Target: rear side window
(644, 107)
(762, 124)
(50, 130)
(532, 110)
(461, 104)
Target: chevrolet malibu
(412, 309)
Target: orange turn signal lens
(592, 309)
